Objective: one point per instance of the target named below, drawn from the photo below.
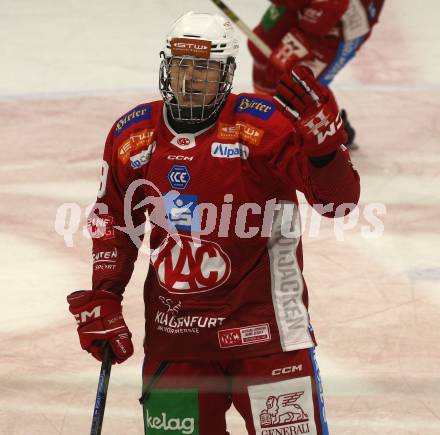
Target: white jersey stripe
(286, 279)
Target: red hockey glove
(312, 109)
(99, 316)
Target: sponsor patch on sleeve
(240, 131)
(101, 226)
(258, 107)
(139, 113)
(136, 142)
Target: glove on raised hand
(313, 110)
(100, 321)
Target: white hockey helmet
(208, 41)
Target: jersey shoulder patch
(139, 113)
(255, 106)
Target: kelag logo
(255, 106)
(173, 412)
(179, 177)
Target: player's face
(194, 82)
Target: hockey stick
(266, 50)
(101, 393)
(259, 43)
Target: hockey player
(226, 304)
(321, 34)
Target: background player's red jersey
(321, 34)
(226, 266)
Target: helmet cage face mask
(193, 88)
(198, 65)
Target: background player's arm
(321, 16)
(315, 16)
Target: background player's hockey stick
(262, 46)
(101, 393)
(267, 51)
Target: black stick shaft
(101, 393)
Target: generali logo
(285, 414)
(191, 47)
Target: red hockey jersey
(322, 34)
(225, 277)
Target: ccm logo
(287, 370)
(184, 158)
(85, 315)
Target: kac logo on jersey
(181, 211)
(255, 106)
(229, 151)
(179, 177)
(190, 265)
(139, 113)
(184, 141)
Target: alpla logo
(283, 411)
(229, 151)
(190, 265)
(184, 425)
